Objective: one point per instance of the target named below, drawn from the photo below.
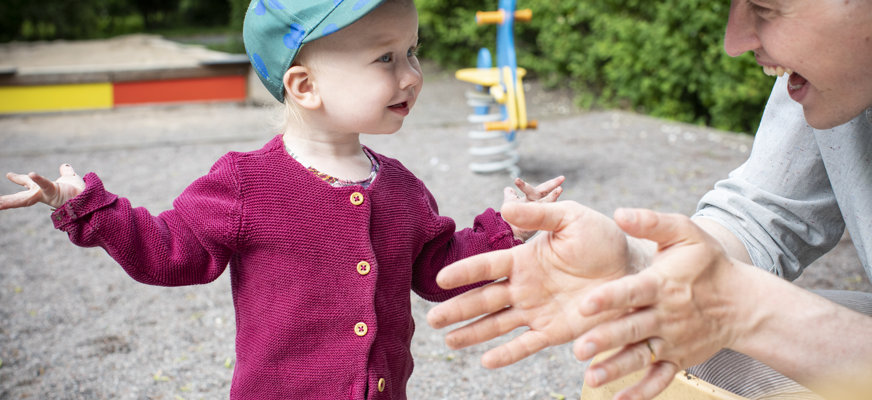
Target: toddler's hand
(547, 192)
(42, 190)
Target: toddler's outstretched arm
(547, 192)
(42, 190)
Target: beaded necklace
(337, 182)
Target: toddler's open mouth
(400, 108)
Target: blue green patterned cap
(274, 31)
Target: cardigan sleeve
(189, 244)
(489, 232)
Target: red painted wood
(222, 88)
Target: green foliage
(664, 58)
(205, 12)
(448, 32)
(86, 19)
(237, 13)
(29, 20)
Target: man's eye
(385, 58)
(761, 10)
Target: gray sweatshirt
(791, 201)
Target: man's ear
(300, 87)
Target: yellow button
(363, 268)
(360, 329)
(381, 384)
(357, 198)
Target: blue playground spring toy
(498, 98)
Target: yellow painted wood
(23, 99)
(483, 76)
(512, 102)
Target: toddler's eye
(413, 51)
(386, 58)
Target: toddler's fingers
(20, 199)
(67, 170)
(522, 184)
(509, 195)
(552, 197)
(21, 179)
(541, 191)
(550, 184)
(43, 183)
(530, 192)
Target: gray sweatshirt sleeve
(779, 203)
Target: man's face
(827, 44)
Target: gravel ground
(74, 326)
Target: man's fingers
(625, 361)
(631, 291)
(536, 216)
(484, 300)
(658, 377)
(515, 350)
(483, 267)
(484, 329)
(627, 329)
(665, 229)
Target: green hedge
(664, 58)
(88, 19)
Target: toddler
(324, 237)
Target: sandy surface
(124, 52)
(74, 326)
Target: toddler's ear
(300, 88)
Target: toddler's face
(367, 74)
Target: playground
(74, 326)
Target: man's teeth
(773, 70)
(795, 86)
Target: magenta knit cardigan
(320, 275)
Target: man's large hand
(577, 249)
(677, 312)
